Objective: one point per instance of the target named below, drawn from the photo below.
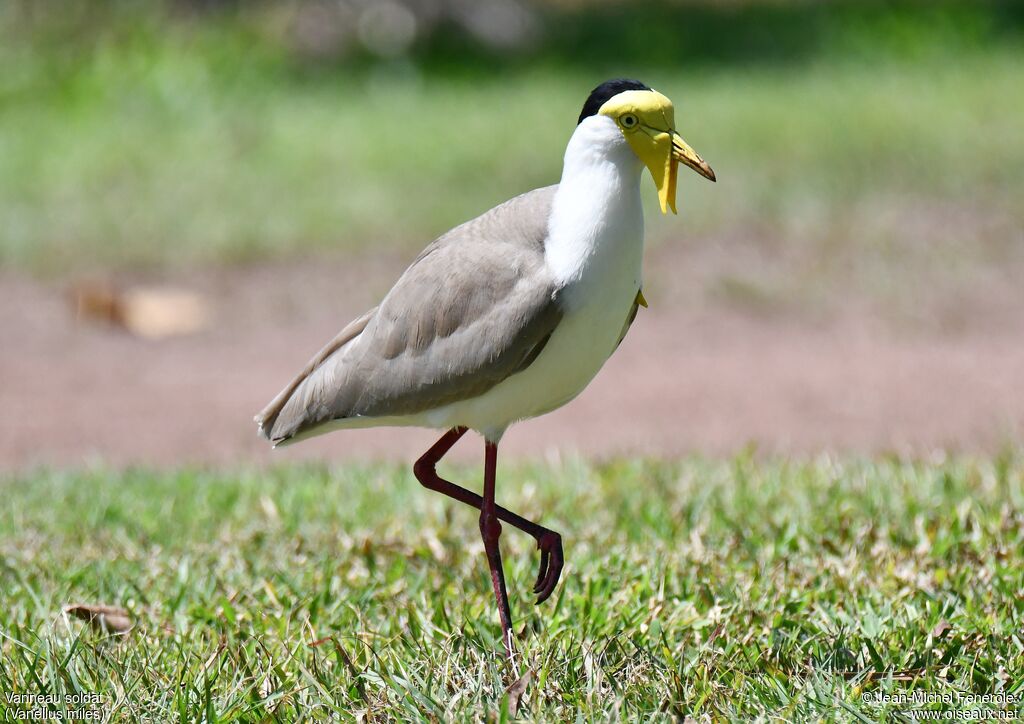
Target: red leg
(490, 529)
(549, 542)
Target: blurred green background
(177, 133)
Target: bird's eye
(628, 120)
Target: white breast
(595, 252)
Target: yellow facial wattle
(647, 120)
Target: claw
(551, 562)
(542, 574)
(552, 580)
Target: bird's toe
(551, 562)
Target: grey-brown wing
(477, 306)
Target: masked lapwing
(506, 317)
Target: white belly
(578, 348)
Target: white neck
(596, 217)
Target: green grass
(732, 590)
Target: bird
(505, 317)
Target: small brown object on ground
(107, 619)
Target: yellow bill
(662, 152)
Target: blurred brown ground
(699, 372)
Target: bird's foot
(551, 562)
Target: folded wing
(477, 306)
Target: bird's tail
(267, 418)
